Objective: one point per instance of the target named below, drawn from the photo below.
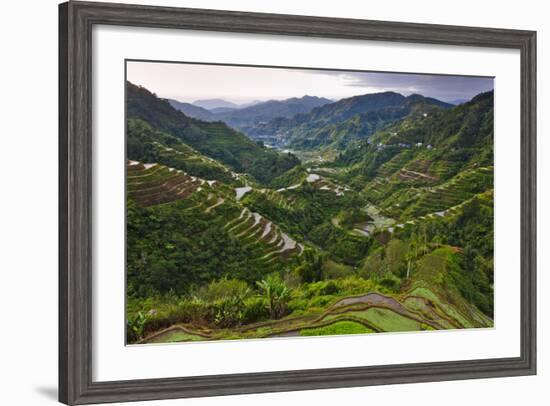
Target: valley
(307, 217)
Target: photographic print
(266, 202)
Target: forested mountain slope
(242, 117)
(344, 121)
(215, 140)
(426, 148)
(266, 111)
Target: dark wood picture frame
(76, 20)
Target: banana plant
(277, 295)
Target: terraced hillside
(417, 309)
(438, 145)
(409, 203)
(153, 184)
(215, 208)
(392, 231)
(366, 307)
(424, 165)
(212, 139)
(149, 145)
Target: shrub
(135, 326)
(355, 285)
(193, 310)
(390, 282)
(223, 289)
(330, 288)
(321, 301)
(292, 278)
(313, 289)
(228, 312)
(312, 268)
(298, 305)
(255, 309)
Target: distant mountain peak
(415, 96)
(271, 109)
(191, 110)
(418, 98)
(383, 96)
(482, 96)
(210, 104)
(345, 120)
(309, 97)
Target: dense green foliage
(213, 139)
(173, 250)
(145, 144)
(471, 230)
(227, 239)
(440, 144)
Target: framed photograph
(257, 202)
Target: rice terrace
(255, 210)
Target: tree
(412, 253)
(396, 252)
(312, 268)
(277, 295)
(423, 240)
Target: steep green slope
(306, 210)
(184, 231)
(426, 149)
(468, 231)
(145, 144)
(215, 140)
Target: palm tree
(277, 295)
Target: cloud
(241, 84)
(443, 87)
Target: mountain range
(344, 121)
(214, 139)
(229, 239)
(244, 116)
(266, 111)
(212, 104)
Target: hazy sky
(190, 82)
